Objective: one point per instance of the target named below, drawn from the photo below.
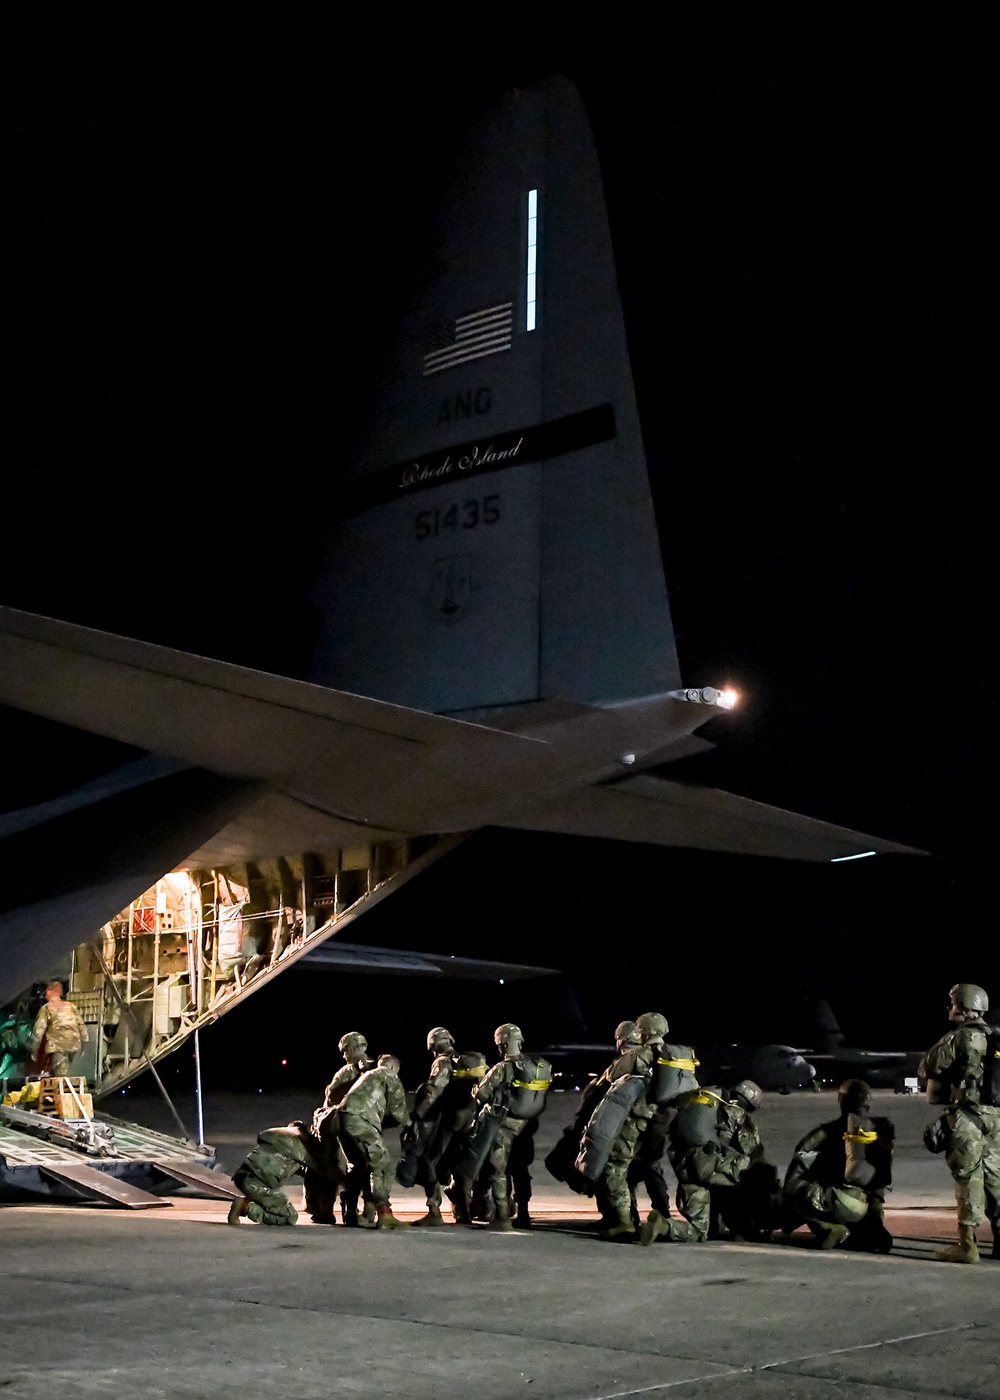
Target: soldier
(279, 1154)
(717, 1155)
(615, 1194)
(375, 1100)
(321, 1186)
(838, 1177)
(442, 1117)
(561, 1160)
(58, 1023)
(510, 1096)
(963, 1070)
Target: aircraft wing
(666, 813)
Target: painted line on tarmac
(791, 1361)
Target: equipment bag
(413, 1142)
(606, 1122)
(481, 1140)
(989, 1093)
(696, 1121)
(532, 1081)
(673, 1074)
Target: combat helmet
(437, 1037)
(503, 1035)
(652, 1027)
(749, 1094)
(353, 1040)
(968, 997)
(627, 1033)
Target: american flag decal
(480, 333)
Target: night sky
(207, 263)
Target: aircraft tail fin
(829, 1038)
(497, 542)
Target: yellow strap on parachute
(862, 1137)
(691, 1065)
(704, 1096)
(532, 1083)
(476, 1073)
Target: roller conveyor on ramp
(132, 1168)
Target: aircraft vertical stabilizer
(497, 541)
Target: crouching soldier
(375, 1100)
(722, 1178)
(838, 1177)
(279, 1154)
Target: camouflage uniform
(279, 1154)
(494, 1091)
(707, 1175)
(817, 1192)
(428, 1099)
(957, 1059)
(58, 1023)
(615, 1196)
(376, 1098)
(321, 1185)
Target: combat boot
(501, 1220)
(965, 1252)
(622, 1229)
(237, 1209)
(433, 1217)
(387, 1221)
(522, 1220)
(996, 1241)
(831, 1235)
(653, 1227)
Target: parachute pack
(532, 1081)
(989, 1092)
(674, 1073)
(606, 1122)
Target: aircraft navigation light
(723, 699)
(728, 698)
(835, 860)
(628, 759)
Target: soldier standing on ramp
(963, 1070)
(60, 1025)
(376, 1099)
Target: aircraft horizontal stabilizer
(665, 813)
(357, 957)
(366, 761)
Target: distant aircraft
(496, 645)
(833, 1060)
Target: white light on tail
(532, 274)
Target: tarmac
(173, 1302)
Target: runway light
(284, 1062)
(501, 981)
(835, 860)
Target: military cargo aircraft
(496, 645)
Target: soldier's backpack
(467, 1069)
(606, 1122)
(673, 1074)
(989, 1091)
(696, 1123)
(532, 1081)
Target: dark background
(209, 251)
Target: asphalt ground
(174, 1302)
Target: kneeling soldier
(838, 1177)
(279, 1154)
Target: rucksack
(989, 1091)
